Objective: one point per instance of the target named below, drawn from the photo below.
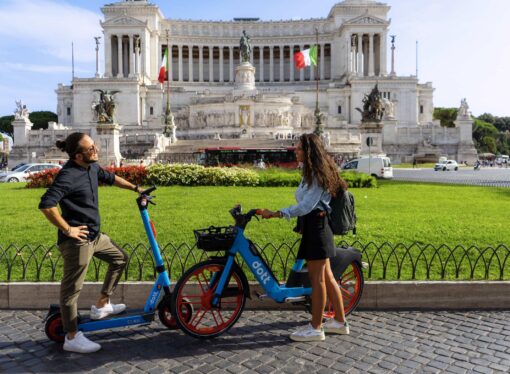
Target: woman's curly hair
(319, 165)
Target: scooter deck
(127, 318)
(85, 317)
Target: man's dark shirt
(75, 189)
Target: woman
(320, 181)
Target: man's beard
(89, 160)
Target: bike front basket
(215, 238)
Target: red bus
(231, 156)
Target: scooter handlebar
(148, 191)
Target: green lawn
(396, 212)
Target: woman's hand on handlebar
(266, 213)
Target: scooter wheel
(166, 317)
(54, 329)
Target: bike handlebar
(243, 219)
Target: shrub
(197, 175)
(133, 174)
(43, 179)
(358, 180)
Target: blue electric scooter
(53, 321)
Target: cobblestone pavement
(490, 177)
(380, 342)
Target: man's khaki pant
(77, 256)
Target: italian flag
(306, 58)
(164, 68)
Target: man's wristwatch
(278, 214)
(137, 188)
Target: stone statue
(21, 111)
(463, 110)
(389, 108)
(105, 107)
(373, 110)
(245, 47)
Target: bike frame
(260, 270)
(162, 282)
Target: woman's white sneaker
(80, 344)
(308, 334)
(332, 326)
(98, 313)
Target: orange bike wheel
(196, 288)
(351, 286)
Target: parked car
(379, 167)
(21, 173)
(18, 166)
(447, 165)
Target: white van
(379, 167)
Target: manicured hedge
(197, 175)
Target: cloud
(49, 26)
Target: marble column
(108, 55)
(119, 57)
(301, 71)
(371, 54)
(359, 69)
(282, 71)
(137, 56)
(231, 63)
(261, 64)
(382, 54)
(211, 65)
(321, 65)
(200, 64)
(221, 64)
(143, 50)
(291, 63)
(130, 50)
(352, 54)
(179, 47)
(190, 63)
(271, 64)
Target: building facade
(354, 55)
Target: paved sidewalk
(380, 342)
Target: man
(75, 189)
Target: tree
(490, 144)
(447, 116)
(5, 124)
(487, 117)
(40, 119)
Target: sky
(462, 44)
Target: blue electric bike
(216, 289)
(53, 321)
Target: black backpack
(342, 218)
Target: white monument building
(216, 98)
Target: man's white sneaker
(332, 326)
(308, 334)
(98, 313)
(80, 344)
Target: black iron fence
(385, 261)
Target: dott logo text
(264, 276)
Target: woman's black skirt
(317, 241)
